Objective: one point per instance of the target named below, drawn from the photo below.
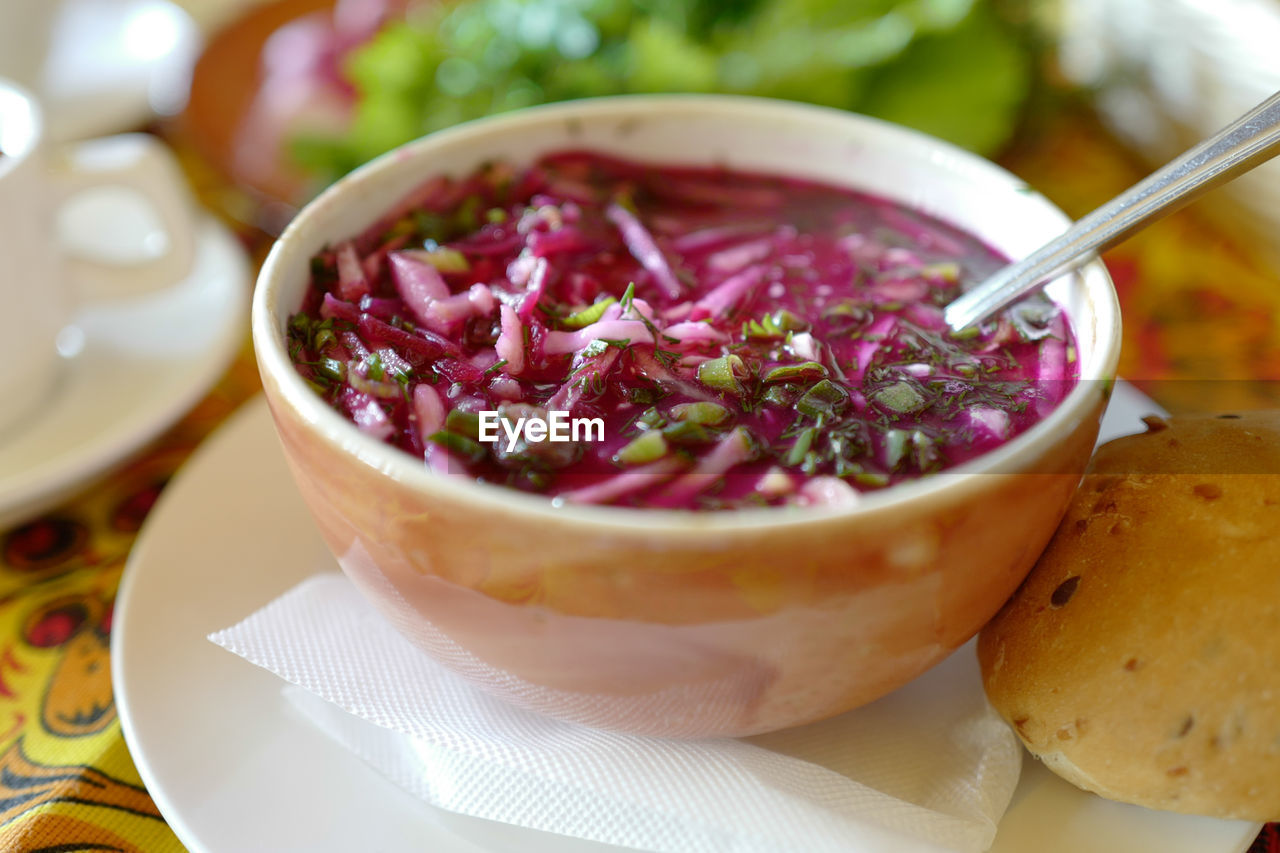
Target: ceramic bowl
(677, 623)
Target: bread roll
(1141, 657)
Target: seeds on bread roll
(1141, 657)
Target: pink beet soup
(692, 338)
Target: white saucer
(144, 362)
(115, 64)
(233, 766)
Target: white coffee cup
(41, 281)
(25, 35)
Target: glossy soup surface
(712, 339)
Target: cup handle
(140, 162)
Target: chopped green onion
(319, 269)
(722, 373)
(849, 310)
(778, 396)
(925, 449)
(687, 432)
(800, 448)
(945, 270)
(496, 366)
(895, 447)
(376, 371)
(787, 321)
(796, 372)
(845, 468)
(624, 199)
(324, 337)
(539, 480)
(333, 369)
(463, 423)
(871, 480)
(642, 396)
(429, 225)
(495, 216)
(900, 397)
(1032, 319)
(468, 448)
(774, 325)
(587, 316)
(823, 400)
(647, 447)
(440, 257)
(704, 413)
(467, 216)
(651, 419)
(448, 260)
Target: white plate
(142, 363)
(115, 64)
(233, 767)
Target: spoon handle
(1250, 140)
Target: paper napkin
(929, 768)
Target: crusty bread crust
(1141, 657)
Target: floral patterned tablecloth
(1202, 331)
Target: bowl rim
(950, 484)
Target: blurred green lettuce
(951, 68)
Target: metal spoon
(1249, 141)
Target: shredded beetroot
(740, 339)
(641, 244)
(352, 283)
